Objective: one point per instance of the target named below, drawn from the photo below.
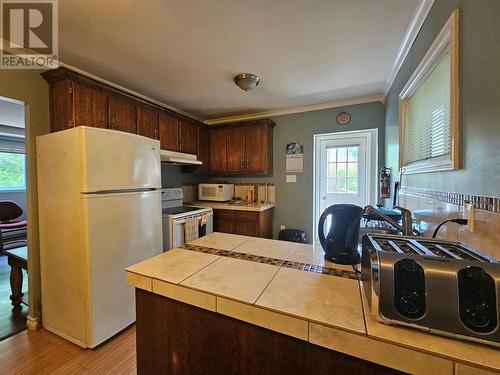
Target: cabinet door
(169, 132)
(147, 122)
(256, 149)
(90, 106)
(61, 106)
(189, 137)
(203, 150)
(122, 114)
(247, 223)
(224, 221)
(217, 150)
(235, 151)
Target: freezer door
(123, 229)
(114, 160)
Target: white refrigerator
(99, 204)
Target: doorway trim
(371, 136)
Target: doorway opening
(345, 171)
(13, 223)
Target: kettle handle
(321, 224)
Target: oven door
(176, 237)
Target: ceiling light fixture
(246, 81)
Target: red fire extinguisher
(385, 181)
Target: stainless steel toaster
(442, 287)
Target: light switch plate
(291, 178)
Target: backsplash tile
(430, 208)
(486, 235)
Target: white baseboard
(33, 322)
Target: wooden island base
(177, 338)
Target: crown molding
(411, 34)
(132, 92)
(298, 109)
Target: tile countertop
(257, 207)
(326, 310)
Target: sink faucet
(406, 220)
(406, 228)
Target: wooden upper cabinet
(248, 148)
(147, 122)
(169, 132)
(61, 105)
(258, 149)
(122, 114)
(217, 150)
(203, 150)
(189, 137)
(90, 106)
(235, 150)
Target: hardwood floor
(41, 352)
(10, 322)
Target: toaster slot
(462, 253)
(409, 288)
(406, 247)
(439, 251)
(477, 299)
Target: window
(342, 170)
(429, 107)
(12, 171)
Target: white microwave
(215, 192)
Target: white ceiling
(186, 52)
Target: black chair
(12, 231)
(293, 235)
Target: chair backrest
(9, 211)
(293, 235)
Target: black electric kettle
(341, 242)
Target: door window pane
(352, 170)
(352, 186)
(342, 154)
(332, 170)
(342, 170)
(12, 171)
(352, 154)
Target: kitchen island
(235, 304)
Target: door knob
(323, 198)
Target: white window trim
(447, 37)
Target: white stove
(174, 215)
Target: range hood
(179, 158)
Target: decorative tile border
(275, 262)
(481, 202)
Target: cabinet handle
(248, 163)
(242, 163)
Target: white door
(114, 160)
(345, 170)
(123, 229)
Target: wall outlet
(282, 227)
(470, 215)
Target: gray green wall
(294, 205)
(479, 96)
(29, 87)
(173, 176)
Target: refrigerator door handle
(116, 191)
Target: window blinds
(427, 117)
